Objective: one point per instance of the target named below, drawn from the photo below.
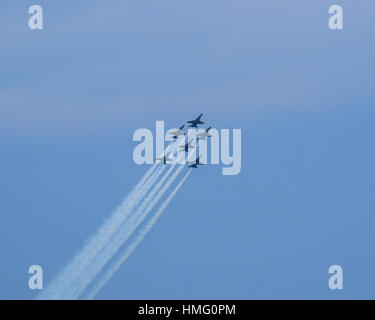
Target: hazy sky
(72, 95)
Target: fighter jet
(204, 135)
(194, 164)
(164, 159)
(195, 122)
(187, 146)
(177, 133)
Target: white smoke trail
(121, 236)
(99, 240)
(124, 233)
(68, 284)
(133, 245)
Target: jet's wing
(201, 133)
(167, 157)
(196, 161)
(196, 120)
(177, 132)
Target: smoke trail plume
(123, 234)
(133, 245)
(99, 240)
(84, 267)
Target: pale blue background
(72, 95)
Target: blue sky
(72, 95)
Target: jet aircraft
(194, 164)
(177, 133)
(163, 160)
(204, 135)
(187, 146)
(194, 123)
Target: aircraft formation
(200, 136)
